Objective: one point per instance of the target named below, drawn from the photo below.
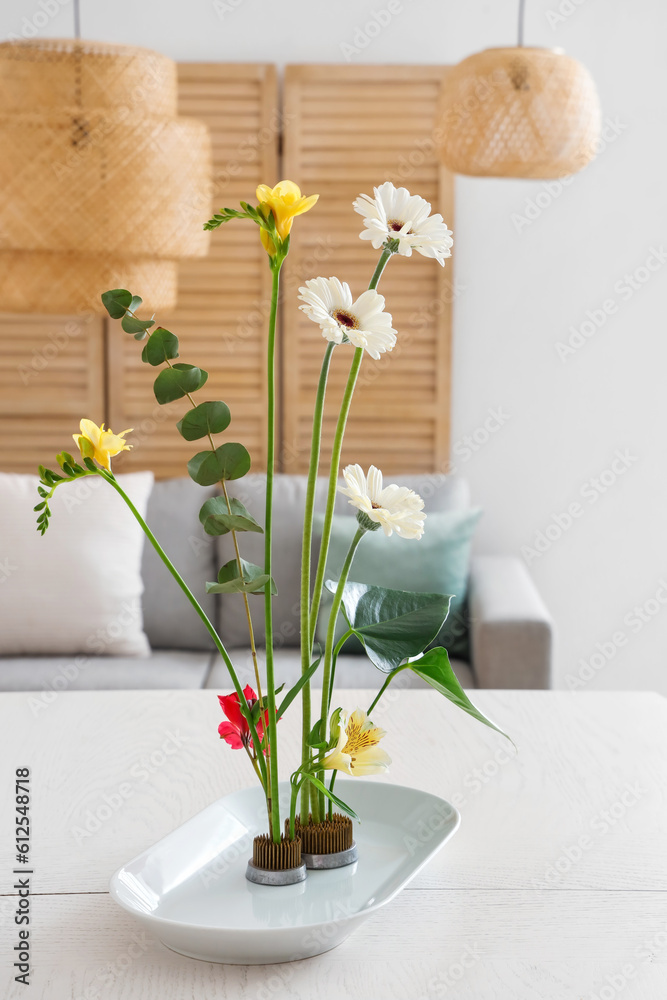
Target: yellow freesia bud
(94, 442)
(285, 201)
(267, 242)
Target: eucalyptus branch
(239, 563)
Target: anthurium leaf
(293, 691)
(207, 418)
(133, 325)
(177, 381)
(330, 795)
(217, 520)
(116, 302)
(229, 582)
(229, 461)
(160, 347)
(434, 668)
(392, 624)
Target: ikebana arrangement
(396, 628)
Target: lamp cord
(77, 20)
(522, 10)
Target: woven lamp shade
(519, 112)
(101, 184)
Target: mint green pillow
(439, 563)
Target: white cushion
(78, 588)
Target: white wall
(526, 282)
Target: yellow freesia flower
(357, 752)
(285, 201)
(94, 442)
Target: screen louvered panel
(51, 376)
(223, 298)
(349, 129)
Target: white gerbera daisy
(364, 323)
(394, 508)
(395, 214)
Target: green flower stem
(331, 788)
(306, 548)
(382, 263)
(333, 485)
(390, 677)
(200, 611)
(333, 617)
(334, 660)
(296, 786)
(331, 637)
(335, 457)
(274, 805)
(339, 645)
(317, 799)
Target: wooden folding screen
(349, 128)
(343, 129)
(223, 298)
(51, 375)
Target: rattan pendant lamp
(519, 112)
(102, 185)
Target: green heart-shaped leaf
(434, 668)
(392, 624)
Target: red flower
(236, 731)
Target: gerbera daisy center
(395, 226)
(345, 319)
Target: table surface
(555, 885)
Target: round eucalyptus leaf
(207, 418)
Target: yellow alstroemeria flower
(357, 752)
(285, 201)
(94, 442)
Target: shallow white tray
(190, 889)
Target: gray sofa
(510, 629)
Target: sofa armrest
(511, 632)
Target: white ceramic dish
(191, 892)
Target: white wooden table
(555, 886)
